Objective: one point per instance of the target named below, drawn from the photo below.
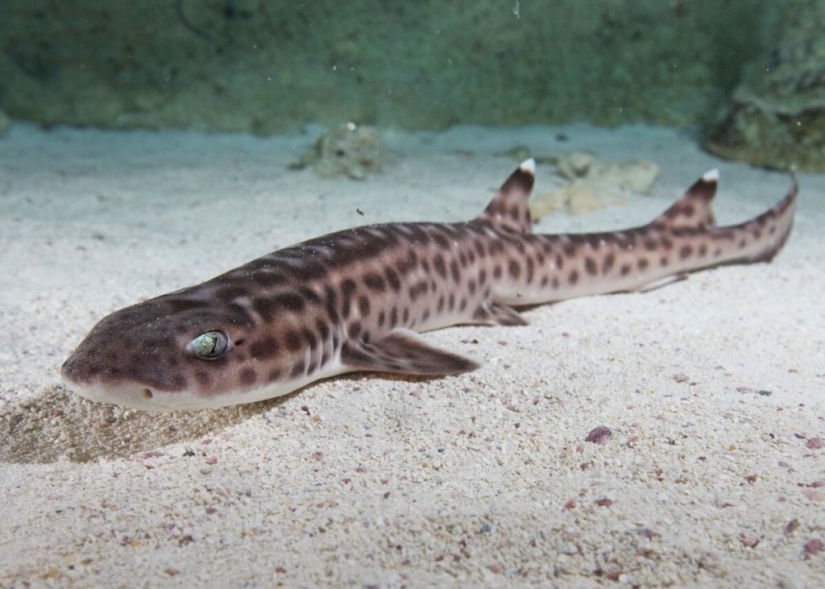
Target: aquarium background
(667, 438)
(267, 66)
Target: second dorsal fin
(694, 208)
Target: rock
(577, 198)
(636, 175)
(594, 185)
(576, 164)
(777, 117)
(347, 150)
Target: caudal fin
(756, 240)
(774, 225)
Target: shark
(357, 300)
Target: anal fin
(660, 283)
(497, 314)
(403, 352)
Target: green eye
(210, 345)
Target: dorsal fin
(693, 209)
(509, 207)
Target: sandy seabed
(712, 387)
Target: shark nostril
(147, 393)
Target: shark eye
(210, 345)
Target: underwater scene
(412, 294)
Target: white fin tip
(528, 165)
(711, 175)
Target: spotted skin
(354, 300)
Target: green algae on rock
(777, 118)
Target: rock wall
(777, 115)
(265, 66)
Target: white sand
(712, 387)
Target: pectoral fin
(403, 352)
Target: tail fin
(775, 224)
(509, 207)
(756, 240)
